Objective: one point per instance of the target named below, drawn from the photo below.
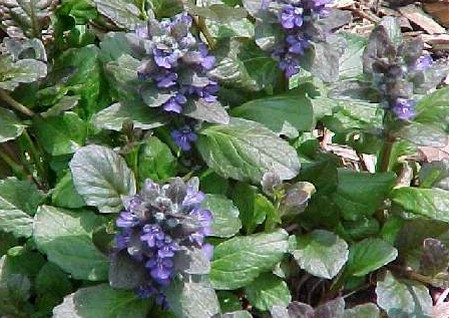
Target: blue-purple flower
(296, 18)
(291, 17)
(423, 63)
(184, 137)
(404, 108)
(158, 223)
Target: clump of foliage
(248, 158)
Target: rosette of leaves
(161, 237)
(297, 34)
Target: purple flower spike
(184, 137)
(152, 234)
(404, 108)
(127, 220)
(166, 248)
(161, 269)
(193, 197)
(204, 218)
(174, 104)
(166, 60)
(290, 66)
(297, 44)
(166, 80)
(291, 17)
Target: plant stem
(201, 23)
(386, 153)
(15, 104)
(17, 169)
(35, 155)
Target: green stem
(15, 104)
(35, 155)
(201, 23)
(17, 169)
(385, 155)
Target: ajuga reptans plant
(308, 185)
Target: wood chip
(439, 10)
(417, 16)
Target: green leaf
(351, 65)
(431, 203)
(117, 114)
(226, 222)
(123, 13)
(403, 298)
(192, 261)
(360, 193)
(217, 12)
(240, 260)
(12, 72)
(235, 314)
(244, 150)
(156, 161)
(279, 112)
(192, 299)
(10, 126)
(66, 238)
(61, 135)
(424, 135)
(102, 301)
(154, 97)
(18, 203)
(321, 253)
(209, 112)
(369, 310)
(78, 71)
(228, 301)
(240, 63)
(253, 205)
(268, 291)
(101, 177)
(126, 272)
(52, 284)
(26, 18)
(432, 108)
(326, 58)
(122, 78)
(368, 255)
(166, 8)
(64, 195)
(347, 115)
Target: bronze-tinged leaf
(438, 10)
(434, 258)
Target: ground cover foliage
(172, 159)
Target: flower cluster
(296, 18)
(176, 63)
(157, 224)
(394, 75)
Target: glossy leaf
(268, 291)
(226, 222)
(321, 253)
(240, 260)
(101, 177)
(66, 238)
(244, 150)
